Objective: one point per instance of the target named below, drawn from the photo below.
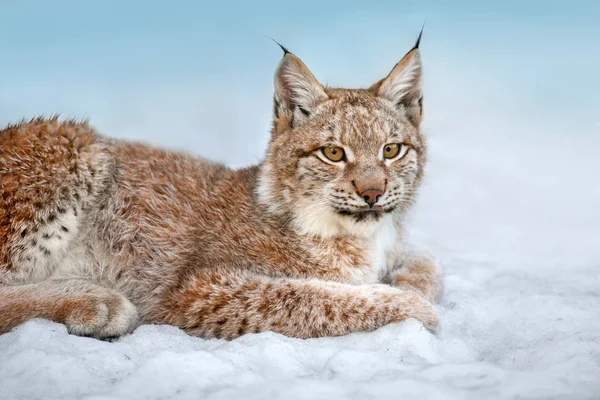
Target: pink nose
(371, 196)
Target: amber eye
(391, 150)
(333, 153)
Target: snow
(511, 212)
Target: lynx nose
(371, 196)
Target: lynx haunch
(102, 235)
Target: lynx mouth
(365, 214)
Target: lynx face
(341, 161)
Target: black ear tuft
(416, 46)
(283, 48)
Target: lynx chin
(102, 235)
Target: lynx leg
(85, 308)
(225, 304)
(419, 272)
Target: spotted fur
(101, 234)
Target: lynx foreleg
(226, 304)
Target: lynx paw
(419, 272)
(417, 307)
(101, 316)
(398, 305)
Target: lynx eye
(391, 150)
(333, 153)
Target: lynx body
(102, 235)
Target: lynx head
(340, 161)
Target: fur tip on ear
(416, 46)
(282, 47)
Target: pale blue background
(198, 75)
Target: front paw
(419, 272)
(100, 315)
(421, 310)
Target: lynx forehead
(103, 234)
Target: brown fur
(101, 234)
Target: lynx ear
(297, 92)
(403, 85)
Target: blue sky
(198, 75)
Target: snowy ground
(513, 215)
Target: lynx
(102, 235)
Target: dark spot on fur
(304, 111)
(33, 242)
(77, 196)
(64, 228)
(241, 331)
(23, 233)
(222, 321)
(89, 187)
(51, 217)
(44, 250)
(217, 307)
(61, 210)
(328, 312)
(275, 108)
(352, 101)
(46, 236)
